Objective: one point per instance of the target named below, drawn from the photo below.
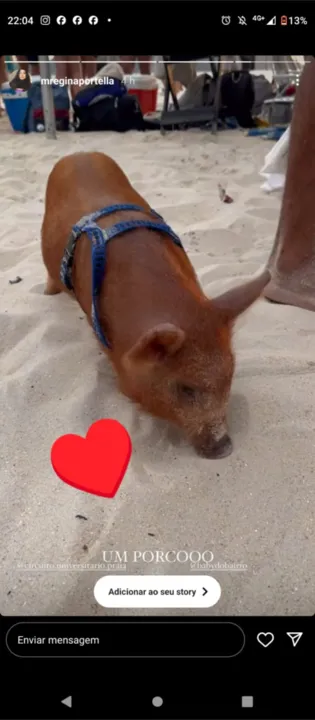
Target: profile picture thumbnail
(21, 81)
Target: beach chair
(181, 117)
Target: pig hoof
(222, 448)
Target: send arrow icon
(67, 701)
(295, 637)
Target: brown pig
(171, 346)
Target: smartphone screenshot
(157, 360)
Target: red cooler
(146, 89)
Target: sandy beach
(255, 509)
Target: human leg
(145, 64)
(292, 260)
(69, 66)
(128, 63)
(89, 66)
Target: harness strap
(99, 239)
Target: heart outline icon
(265, 635)
(97, 463)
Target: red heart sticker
(95, 464)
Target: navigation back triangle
(67, 701)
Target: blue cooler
(16, 105)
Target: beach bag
(238, 97)
(107, 107)
(34, 118)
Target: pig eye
(186, 392)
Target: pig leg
(292, 260)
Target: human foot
(296, 288)
(52, 287)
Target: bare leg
(145, 64)
(175, 84)
(74, 70)
(89, 69)
(292, 260)
(34, 69)
(3, 71)
(127, 62)
(23, 62)
(70, 68)
(52, 287)
(3, 79)
(61, 66)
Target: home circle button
(157, 701)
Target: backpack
(107, 107)
(238, 97)
(34, 118)
(95, 91)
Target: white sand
(255, 507)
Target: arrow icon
(295, 637)
(204, 592)
(67, 701)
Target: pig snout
(209, 446)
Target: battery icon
(283, 20)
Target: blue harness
(99, 239)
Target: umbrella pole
(47, 97)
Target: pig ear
(156, 344)
(236, 301)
